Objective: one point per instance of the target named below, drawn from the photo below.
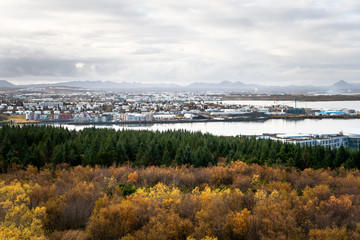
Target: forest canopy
(37, 146)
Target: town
(90, 106)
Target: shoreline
(300, 98)
(253, 119)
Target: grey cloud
(342, 27)
(301, 14)
(112, 6)
(51, 66)
(232, 22)
(145, 51)
(157, 40)
(36, 67)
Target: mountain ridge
(5, 83)
(338, 87)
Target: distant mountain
(224, 85)
(108, 85)
(342, 86)
(97, 84)
(338, 87)
(242, 87)
(6, 84)
(115, 86)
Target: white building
(326, 140)
(46, 104)
(164, 116)
(136, 117)
(189, 115)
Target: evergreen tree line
(40, 145)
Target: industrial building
(349, 140)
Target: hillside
(6, 84)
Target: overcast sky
(163, 41)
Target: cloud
(254, 41)
(36, 67)
(144, 51)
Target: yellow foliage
(274, 194)
(111, 183)
(165, 226)
(115, 220)
(18, 221)
(320, 192)
(329, 234)
(101, 203)
(255, 179)
(204, 223)
(240, 222)
(260, 195)
(161, 193)
(205, 238)
(282, 206)
(128, 237)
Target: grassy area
(18, 119)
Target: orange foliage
(236, 201)
(133, 178)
